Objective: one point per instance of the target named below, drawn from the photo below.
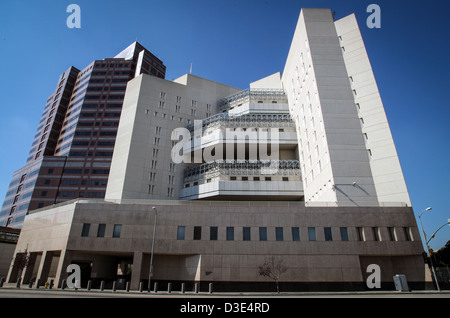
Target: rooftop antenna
(190, 70)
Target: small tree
(21, 260)
(273, 268)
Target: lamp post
(428, 249)
(434, 234)
(150, 274)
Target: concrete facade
(142, 167)
(335, 103)
(8, 240)
(328, 253)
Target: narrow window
(361, 236)
(408, 235)
(85, 230)
(180, 232)
(328, 234)
(279, 233)
(213, 233)
(295, 234)
(392, 235)
(344, 234)
(376, 234)
(117, 229)
(230, 233)
(263, 233)
(246, 234)
(197, 233)
(101, 230)
(312, 233)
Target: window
(85, 230)
(279, 233)
(312, 233)
(344, 234)
(246, 234)
(295, 234)
(230, 233)
(376, 234)
(392, 235)
(263, 233)
(197, 233)
(101, 230)
(408, 235)
(327, 233)
(117, 230)
(361, 236)
(180, 232)
(213, 231)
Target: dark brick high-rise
(71, 152)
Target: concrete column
(141, 265)
(28, 270)
(44, 267)
(65, 258)
(13, 270)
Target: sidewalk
(12, 291)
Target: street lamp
(150, 274)
(428, 248)
(434, 234)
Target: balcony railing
(254, 94)
(236, 168)
(224, 120)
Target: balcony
(253, 95)
(244, 180)
(224, 120)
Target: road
(56, 293)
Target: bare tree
(273, 268)
(21, 260)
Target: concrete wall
(234, 261)
(153, 108)
(322, 105)
(6, 255)
(384, 162)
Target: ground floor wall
(6, 255)
(320, 248)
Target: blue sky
(236, 42)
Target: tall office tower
(346, 150)
(71, 153)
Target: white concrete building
(301, 166)
(347, 152)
